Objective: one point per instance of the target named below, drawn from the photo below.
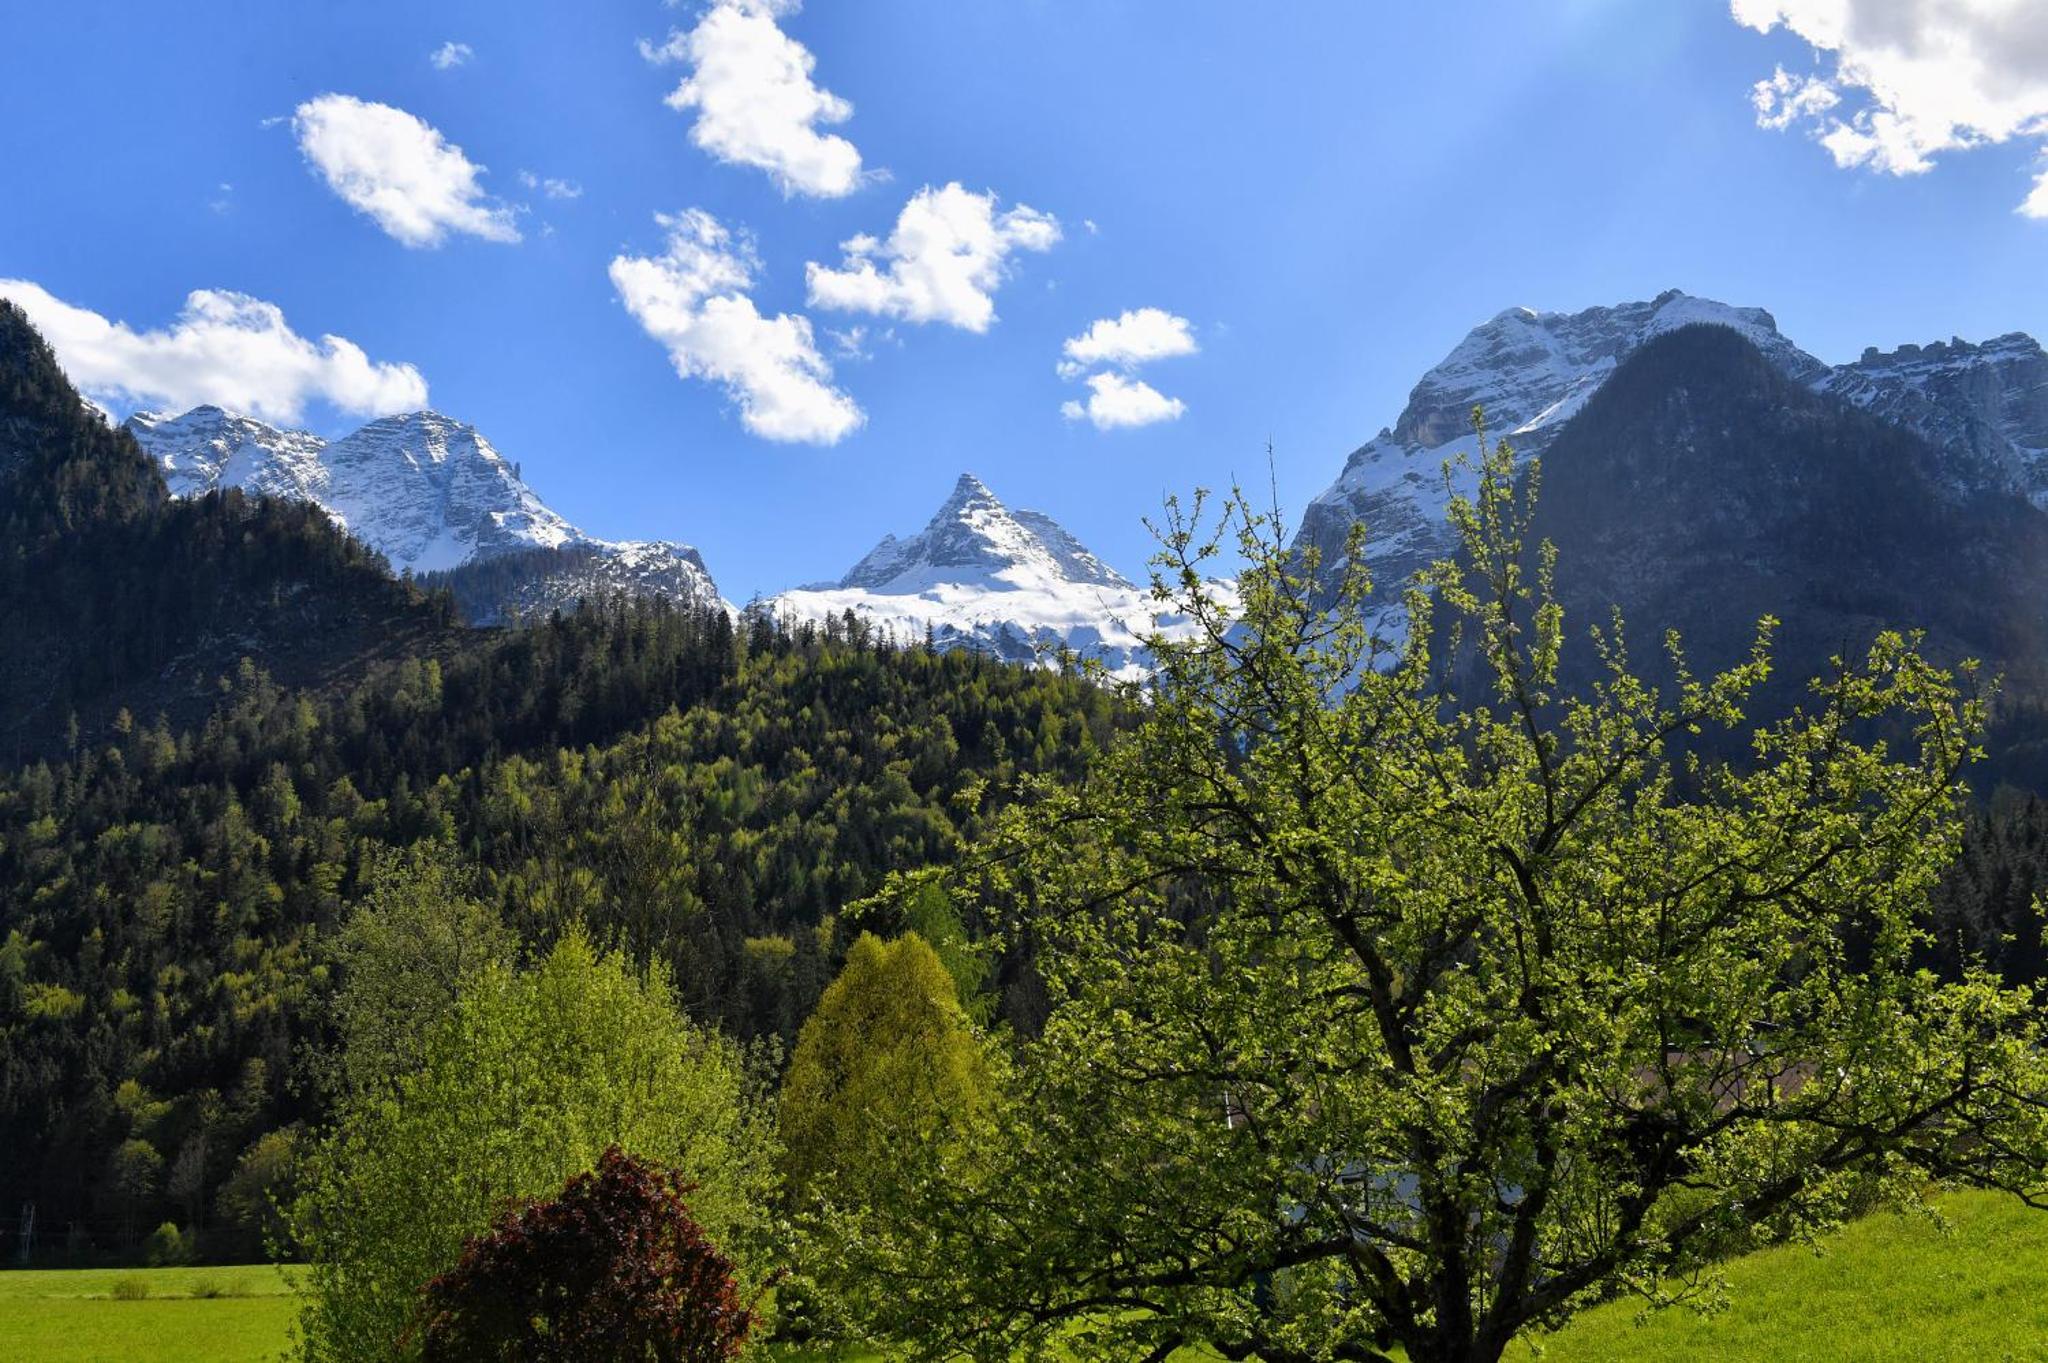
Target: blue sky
(1330, 195)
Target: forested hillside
(222, 721)
(114, 594)
(703, 797)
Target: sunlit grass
(147, 1315)
(1887, 1288)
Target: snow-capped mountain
(979, 575)
(208, 448)
(1985, 406)
(429, 493)
(1532, 372)
(432, 493)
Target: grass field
(1885, 1289)
(75, 1316)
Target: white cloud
(448, 56)
(692, 298)
(1933, 76)
(1116, 402)
(947, 254)
(1135, 337)
(399, 170)
(550, 186)
(750, 84)
(224, 348)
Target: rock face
(208, 448)
(1704, 488)
(429, 493)
(1985, 406)
(1014, 584)
(528, 584)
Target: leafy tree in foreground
(613, 1268)
(526, 1081)
(1397, 1012)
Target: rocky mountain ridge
(1985, 407)
(429, 493)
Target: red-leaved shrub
(612, 1270)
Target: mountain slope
(1013, 584)
(1983, 410)
(1703, 487)
(1531, 372)
(526, 584)
(431, 495)
(1985, 406)
(117, 596)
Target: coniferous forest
(701, 793)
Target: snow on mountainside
(432, 493)
(1985, 406)
(1532, 372)
(981, 576)
(429, 493)
(209, 448)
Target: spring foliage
(886, 1072)
(526, 1081)
(1402, 999)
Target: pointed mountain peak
(969, 493)
(974, 539)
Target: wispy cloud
(693, 299)
(550, 186)
(450, 55)
(223, 348)
(399, 171)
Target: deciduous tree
(524, 1083)
(612, 1268)
(1405, 1000)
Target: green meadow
(148, 1315)
(1886, 1288)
